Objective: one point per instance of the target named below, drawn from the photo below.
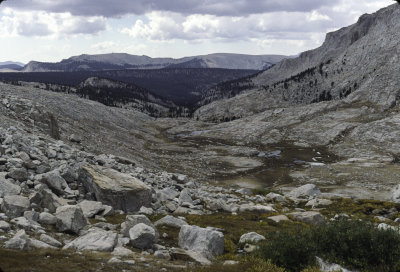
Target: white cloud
(43, 24)
(162, 26)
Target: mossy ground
(233, 227)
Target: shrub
(353, 244)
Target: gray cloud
(116, 8)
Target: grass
(360, 209)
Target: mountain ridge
(351, 63)
(125, 61)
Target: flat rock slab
(96, 240)
(308, 217)
(119, 190)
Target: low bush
(353, 244)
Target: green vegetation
(353, 244)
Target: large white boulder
(133, 220)
(142, 236)
(119, 190)
(206, 241)
(95, 240)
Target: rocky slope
(125, 61)
(355, 64)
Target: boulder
(170, 221)
(308, 217)
(4, 226)
(119, 190)
(305, 192)
(18, 242)
(55, 181)
(70, 218)
(142, 236)
(50, 240)
(133, 220)
(206, 241)
(96, 240)
(251, 237)
(8, 188)
(275, 197)
(15, 206)
(23, 223)
(185, 197)
(91, 208)
(46, 199)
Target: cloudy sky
(50, 30)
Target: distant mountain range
(11, 65)
(116, 61)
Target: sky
(52, 30)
